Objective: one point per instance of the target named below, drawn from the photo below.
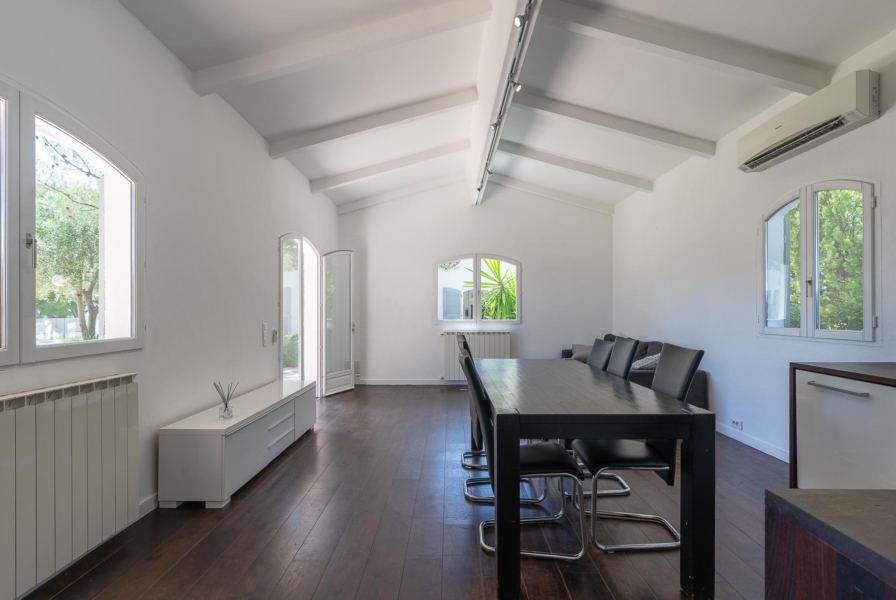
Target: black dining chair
(675, 372)
(600, 358)
(620, 362)
(537, 461)
(600, 354)
(473, 482)
(468, 459)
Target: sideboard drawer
(281, 443)
(281, 414)
(281, 421)
(844, 433)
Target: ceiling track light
(517, 86)
(494, 126)
(520, 20)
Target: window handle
(808, 286)
(31, 242)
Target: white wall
(685, 267)
(566, 274)
(216, 205)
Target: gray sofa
(698, 394)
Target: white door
(291, 296)
(338, 327)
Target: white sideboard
(204, 458)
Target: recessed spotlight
(520, 20)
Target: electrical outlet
(737, 424)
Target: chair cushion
(547, 457)
(600, 454)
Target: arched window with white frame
(477, 288)
(818, 262)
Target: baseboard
(407, 382)
(148, 505)
(753, 442)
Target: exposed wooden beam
(711, 51)
(551, 194)
(416, 188)
(634, 129)
(323, 184)
(642, 183)
(375, 122)
(317, 51)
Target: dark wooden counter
(830, 544)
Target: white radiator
(68, 475)
(483, 344)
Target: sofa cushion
(580, 352)
(648, 362)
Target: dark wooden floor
(370, 504)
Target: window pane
(83, 222)
(782, 267)
(338, 304)
(290, 303)
(454, 290)
(840, 240)
(3, 200)
(498, 286)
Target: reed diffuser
(226, 411)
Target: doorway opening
(299, 308)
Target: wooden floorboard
(370, 505)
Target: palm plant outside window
(477, 288)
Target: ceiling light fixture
(524, 23)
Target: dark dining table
(567, 399)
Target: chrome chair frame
(477, 481)
(625, 490)
(548, 519)
(470, 455)
(625, 516)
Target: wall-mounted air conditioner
(842, 106)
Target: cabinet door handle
(841, 390)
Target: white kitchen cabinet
(843, 424)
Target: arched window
(477, 288)
(818, 262)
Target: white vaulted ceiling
(371, 97)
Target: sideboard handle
(836, 389)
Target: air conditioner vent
(796, 142)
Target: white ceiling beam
(551, 194)
(323, 184)
(374, 122)
(641, 183)
(639, 130)
(317, 51)
(403, 192)
(698, 48)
